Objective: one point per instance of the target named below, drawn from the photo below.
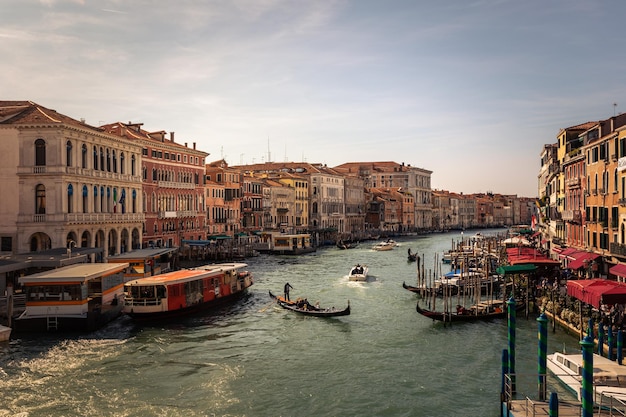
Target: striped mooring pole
(610, 337)
(505, 370)
(620, 344)
(542, 355)
(600, 339)
(587, 377)
(553, 406)
(511, 324)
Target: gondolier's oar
(267, 306)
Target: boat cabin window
(54, 292)
(146, 291)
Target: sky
(468, 89)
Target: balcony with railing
(572, 215)
(573, 182)
(617, 249)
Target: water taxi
(358, 273)
(186, 290)
(609, 378)
(79, 297)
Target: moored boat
(487, 310)
(186, 290)
(609, 378)
(79, 297)
(302, 306)
(358, 273)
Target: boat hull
(468, 316)
(196, 308)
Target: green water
(255, 359)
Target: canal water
(255, 359)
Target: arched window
(85, 198)
(40, 152)
(108, 161)
(96, 206)
(68, 153)
(70, 193)
(102, 166)
(40, 199)
(114, 156)
(122, 169)
(134, 208)
(84, 156)
(132, 165)
(102, 200)
(95, 158)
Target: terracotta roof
(28, 113)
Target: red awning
(581, 259)
(568, 251)
(619, 270)
(597, 291)
(526, 255)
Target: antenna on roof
(614, 109)
(269, 155)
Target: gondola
(411, 288)
(487, 310)
(346, 245)
(304, 307)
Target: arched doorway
(40, 242)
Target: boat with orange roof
(186, 290)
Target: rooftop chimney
(194, 145)
(172, 136)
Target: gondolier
(287, 287)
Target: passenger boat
(358, 273)
(302, 306)
(5, 333)
(609, 378)
(80, 297)
(186, 290)
(285, 244)
(487, 310)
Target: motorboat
(383, 246)
(609, 378)
(358, 273)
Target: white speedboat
(383, 246)
(358, 273)
(609, 378)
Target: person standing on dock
(287, 287)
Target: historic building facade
(172, 186)
(66, 184)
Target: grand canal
(255, 359)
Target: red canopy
(580, 259)
(597, 291)
(526, 255)
(567, 252)
(619, 270)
